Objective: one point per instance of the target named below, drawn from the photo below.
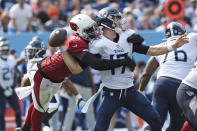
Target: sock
(186, 127)
(28, 118)
(36, 120)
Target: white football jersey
(191, 78)
(7, 72)
(178, 63)
(117, 78)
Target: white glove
(8, 92)
(79, 101)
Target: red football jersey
(55, 68)
(75, 43)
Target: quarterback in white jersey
(118, 83)
(117, 78)
(7, 83)
(173, 68)
(187, 97)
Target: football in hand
(57, 37)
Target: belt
(43, 74)
(171, 79)
(117, 90)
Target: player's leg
(141, 106)
(187, 100)
(110, 104)
(160, 98)
(42, 94)
(14, 103)
(177, 117)
(2, 111)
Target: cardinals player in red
(47, 75)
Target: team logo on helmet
(103, 13)
(74, 26)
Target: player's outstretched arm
(72, 64)
(90, 59)
(149, 69)
(163, 49)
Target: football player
(47, 75)
(7, 83)
(174, 67)
(34, 52)
(117, 83)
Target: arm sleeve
(101, 64)
(142, 49)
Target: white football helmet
(4, 49)
(84, 26)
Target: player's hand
(8, 92)
(130, 63)
(79, 101)
(136, 39)
(183, 39)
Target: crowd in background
(46, 15)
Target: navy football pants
(164, 100)
(131, 99)
(187, 100)
(13, 101)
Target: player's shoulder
(75, 43)
(192, 35)
(128, 32)
(11, 60)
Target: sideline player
(7, 83)
(117, 83)
(174, 67)
(47, 76)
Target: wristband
(78, 96)
(170, 48)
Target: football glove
(136, 39)
(8, 92)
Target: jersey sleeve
(76, 44)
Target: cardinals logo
(74, 26)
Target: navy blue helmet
(106, 18)
(174, 29)
(35, 49)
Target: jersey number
(176, 54)
(5, 74)
(119, 56)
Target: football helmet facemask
(35, 49)
(4, 49)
